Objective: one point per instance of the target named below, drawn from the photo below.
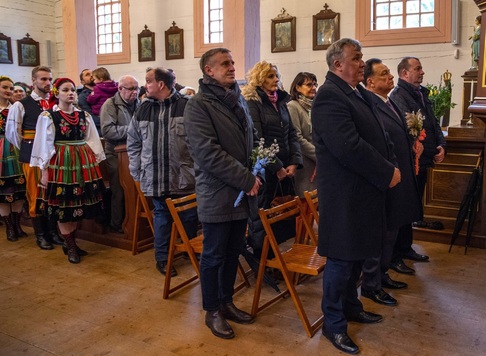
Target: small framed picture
(146, 45)
(28, 51)
(325, 29)
(5, 49)
(174, 42)
(283, 33)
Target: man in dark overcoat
(403, 204)
(354, 170)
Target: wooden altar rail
(90, 230)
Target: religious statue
(475, 43)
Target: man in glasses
(115, 116)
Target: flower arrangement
(261, 156)
(415, 124)
(440, 97)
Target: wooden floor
(111, 304)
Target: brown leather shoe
(218, 325)
(231, 312)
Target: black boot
(10, 229)
(16, 225)
(52, 234)
(38, 225)
(71, 248)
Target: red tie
(44, 104)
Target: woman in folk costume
(68, 149)
(12, 181)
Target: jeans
(222, 246)
(340, 295)
(163, 226)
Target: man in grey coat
(221, 135)
(115, 115)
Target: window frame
(439, 33)
(124, 55)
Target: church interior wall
(42, 19)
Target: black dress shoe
(43, 243)
(231, 312)
(379, 296)
(365, 317)
(401, 267)
(412, 255)
(218, 325)
(342, 342)
(389, 283)
(162, 268)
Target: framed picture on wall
(28, 51)
(174, 42)
(146, 45)
(283, 33)
(325, 29)
(5, 49)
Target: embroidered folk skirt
(12, 180)
(75, 187)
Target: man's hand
(439, 157)
(281, 174)
(255, 188)
(397, 178)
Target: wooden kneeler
(299, 259)
(180, 242)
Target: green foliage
(440, 97)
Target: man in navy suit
(354, 170)
(403, 204)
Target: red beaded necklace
(73, 118)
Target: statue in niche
(475, 43)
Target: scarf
(229, 97)
(273, 98)
(305, 102)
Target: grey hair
(335, 51)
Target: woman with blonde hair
(268, 108)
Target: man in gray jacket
(221, 135)
(115, 115)
(159, 157)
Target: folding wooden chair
(298, 259)
(142, 210)
(180, 242)
(313, 204)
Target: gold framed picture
(283, 33)
(5, 49)
(28, 51)
(174, 42)
(146, 45)
(325, 29)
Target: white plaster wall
(36, 17)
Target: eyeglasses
(131, 89)
(311, 85)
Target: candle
(472, 90)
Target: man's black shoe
(231, 312)
(379, 296)
(365, 317)
(43, 243)
(389, 283)
(218, 325)
(162, 268)
(400, 267)
(412, 255)
(342, 342)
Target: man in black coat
(354, 170)
(403, 205)
(410, 95)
